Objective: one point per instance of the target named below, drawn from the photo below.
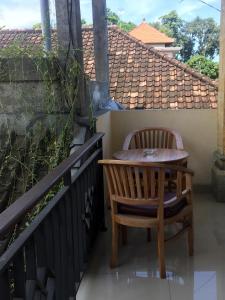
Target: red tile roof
(140, 77)
(150, 35)
(25, 37)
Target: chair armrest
(127, 141)
(179, 141)
(183, 180)
(175, 199)
(188, 181)
(179, 168)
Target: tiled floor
(201, 277)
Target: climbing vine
(42, 148)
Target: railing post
(71, 211)
(78, 214)
(58, 255)
(19, 276)
(67, 178)
(72, 251)
(100, 187)
(4, 286)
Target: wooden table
(152, 155)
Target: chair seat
(151, 211)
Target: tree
(173, 23)
(83, 22)
(204, 66)
(205, 33)
(126, 26)
(200, 36)
(187, 44)
(177, 28)
(37, 26)
(114, 19)
(162, 28)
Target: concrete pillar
(218, 171)
(68, 24)
(101, 89)
(69, 33)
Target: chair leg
(108, 202)
(161, 251)
(169, 185)
(190, 238)
(124, 235)
(149, 234)
(114, 258)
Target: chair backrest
(153, 137)
(136, 183)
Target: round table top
(152, 155)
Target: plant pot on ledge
(218, 177)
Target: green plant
(114, 19)
(205, 66)
(42, 149)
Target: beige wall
(198, 129)
(104, 125)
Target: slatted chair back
(134, 183)
(154, 137)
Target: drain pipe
(101, 89)
(45, 24)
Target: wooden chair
(153, 137)
(156, 137)
(138, 199)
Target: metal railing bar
(16, 246)
(27, 233)
(23, 204)
(86, 164)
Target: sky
(15, 14)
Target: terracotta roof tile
(140, 77)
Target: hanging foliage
(29, 158)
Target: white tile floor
(201, 277)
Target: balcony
(64, 252)
(58, 251)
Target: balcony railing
(49, 257)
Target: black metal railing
(49, 257)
